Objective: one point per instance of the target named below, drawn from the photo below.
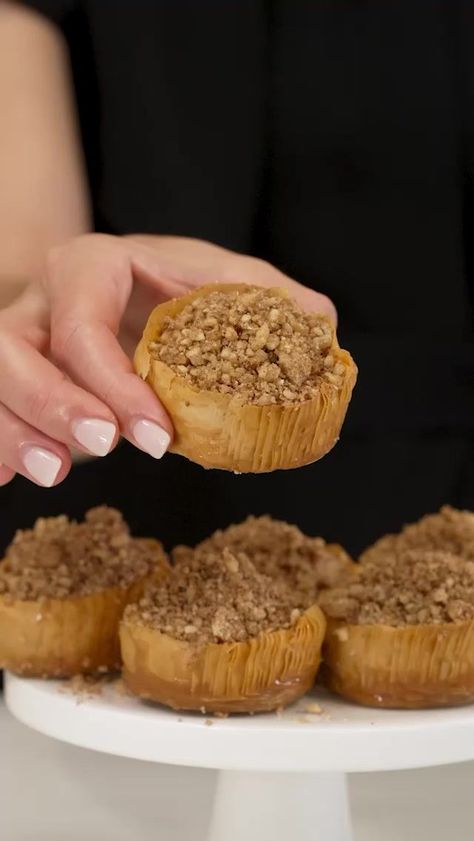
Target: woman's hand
(66, 380)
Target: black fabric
(367, 486)
(56, 10)
(335, 139)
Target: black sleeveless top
(336, 140)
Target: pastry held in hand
(63, 589)
(250, 381)
(218, 636)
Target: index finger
(190, 263)
(89, 284)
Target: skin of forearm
(43, 192)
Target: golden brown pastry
(63, 589)
(218, 636)
(251, 382)
(401, 634)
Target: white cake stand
(282, 777)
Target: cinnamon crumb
(412, 588)
(121, 688)
(449, 530)
(216, 596)
(59, 557)
(312, 708)
(253, 343)
(281, 551)
(85, 686)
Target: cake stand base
(280, 807)
(281, 776)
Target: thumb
(187, 263)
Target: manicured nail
(151, 437)
(42, 465)
(95, 435)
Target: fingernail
(42, 465)
(151, 437)
(95, 435)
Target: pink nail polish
(151, 437)
(42, 465)
(95, 435)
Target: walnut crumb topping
(282, 551)
(254, 344)
(216, 596)
(59, 557)
(417, 586)
(449, 530)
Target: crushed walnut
(85, 687)
(417, 586)
(449, 530)
(280, 550)
(59, 557)
(216, 596)
(255, 344)
(313, 708)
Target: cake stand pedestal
(275, 806)
(282, 777)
